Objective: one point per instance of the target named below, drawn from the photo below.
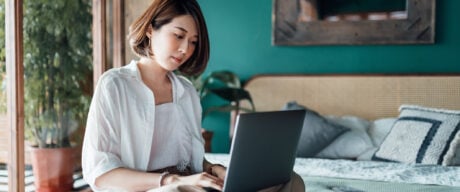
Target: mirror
(353, 22)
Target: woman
(144, 125)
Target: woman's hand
(201, 179)
(219, 171)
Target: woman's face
(174, 43)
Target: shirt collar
(132, 70)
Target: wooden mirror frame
(417, 28)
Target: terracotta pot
(53, 168)
(207, 135)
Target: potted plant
(2, 59)
(57, 86)
(227, 86)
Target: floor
(79, 184)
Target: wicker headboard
(367, 96)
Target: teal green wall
(240, 33)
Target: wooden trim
(118, 33)
(99, 39)
(15, 95)
(417, 28)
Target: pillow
(367, 155)
(422, 135)
(379, 129)
(456, 157)
(351, 144)
(317, 132)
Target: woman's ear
(149, 35)
(149, 32)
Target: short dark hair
(161, 12)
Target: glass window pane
(3, 116)
(57, 91)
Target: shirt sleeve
(194, 115)
(197, 110)
(101, 145)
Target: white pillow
(456, 158)
(380, 129)
(422, 135)
(353, 122)
(352, 143)
(367, 155)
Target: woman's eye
(194, 43)
(179, 36)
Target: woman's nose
(183, 47)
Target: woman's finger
(211, 181)
(215, 178)
(208, 183)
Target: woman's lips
(178, 60)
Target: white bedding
(369, 170)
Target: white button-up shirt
(121, 119)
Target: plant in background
(2, 59)
(227, 86)
(57, 69)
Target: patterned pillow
(422, 135)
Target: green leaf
(232, 94)
(57, 62)
(219, 79)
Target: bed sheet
(330, 184)
(357, 176)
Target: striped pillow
(422, 135)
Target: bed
(376, 132)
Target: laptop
(263, 150)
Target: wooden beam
(118, 33)
(99, 39)
(15, 93)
